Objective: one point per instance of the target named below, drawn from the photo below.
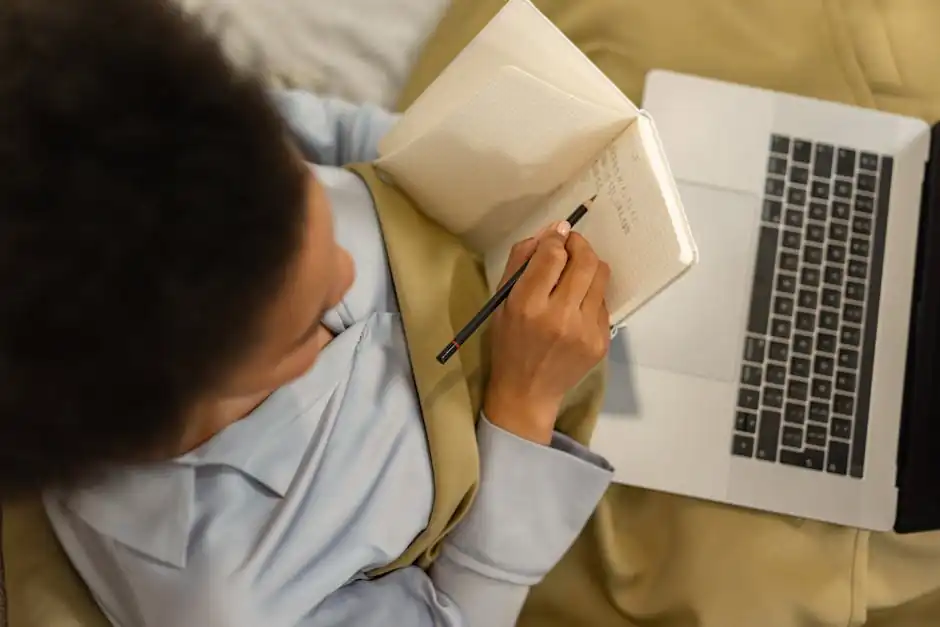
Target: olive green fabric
(653, 559)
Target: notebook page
(482, 170)
(629, 225)
(521, 36)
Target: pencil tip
(593, 198)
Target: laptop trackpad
(696, 327)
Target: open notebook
(518, 131)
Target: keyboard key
(828, 320)
(835, 253)
(776, 374)
(824, 158)
(742, 446)
(791, 239)
(786, 283)
(763, 282)
(845, 381)
(823, 365)
(805, 321)
(858, 269)
(772, 211)
(799, 174)
(754, 349)
(795, 413)
(768, 435)
(748, 399)
(820, 189)
(815, 233)
(845, 162)
(826, 342)
(793, 437)
(780, 144)
(802, 151)
(868, 161)
(794, 218)
(777, 165)
(855, 291)
(813, 255)
(833, 275)
(774, 187)
(844, 404)
(751, 375)
(783, 306)
(778, 351)
(831, 298)
(822, 389)
(866, 182)
(853, 314)
(772, 397)
(839, 232)
(802, 344)
(799, 367)
(789, 261)
(816, 435)
(864, 204)
(745, 421)
(840, 428)
(819, 412)
(808, 299)
(797, 390)
(840, 210)
(842, 189)
(796, 196)
(810, 459)
(781, 328)
(810, 277)
(861, 225)
(851, 336)
(848, 358)
(837, 460)
(817, 211)
(859, 247)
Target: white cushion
(360, 50)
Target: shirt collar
(150, 507)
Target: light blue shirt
(275, 520)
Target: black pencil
(501, 294)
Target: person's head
(162, 244)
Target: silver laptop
(772, 375)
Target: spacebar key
(759, 316)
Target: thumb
(519, 254)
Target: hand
(552, 329)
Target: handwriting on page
(607, 175)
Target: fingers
(594, 297)
(546, 264)
(579, 272)
(519, 254)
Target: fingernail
(563, 228)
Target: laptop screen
(919, 448)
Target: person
(202, 365)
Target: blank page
(482, 170)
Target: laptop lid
(918, 478)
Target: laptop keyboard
(806, 370)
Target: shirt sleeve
(532, 503)
(333, 132)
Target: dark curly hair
(150, 207)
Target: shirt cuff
(532, 503)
